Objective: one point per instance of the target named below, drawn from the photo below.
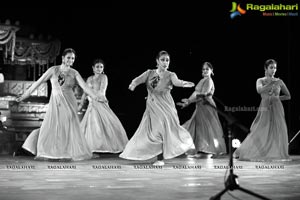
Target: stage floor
(109, 177)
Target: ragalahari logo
(236, 10)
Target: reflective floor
(110, 177)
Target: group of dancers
(159, 135)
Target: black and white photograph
(195, 101)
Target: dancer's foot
(65, 160)
(41, 158)
(95, 155)
(197, 155)
(214, 156)
(159, 163)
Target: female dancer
(204, 125)
(159, 131)
(59, 136)
(268, 139)
(102, 128)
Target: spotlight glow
(236, 143)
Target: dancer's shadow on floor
(22, 152)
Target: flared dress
(204, 125)
(159, 130)
(59, 136)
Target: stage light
(2, 127)
(3, 118)
(236, 143)
(1, 78)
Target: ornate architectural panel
(15, 88)
(27, 107)
(8, 39)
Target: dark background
(128, 37)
